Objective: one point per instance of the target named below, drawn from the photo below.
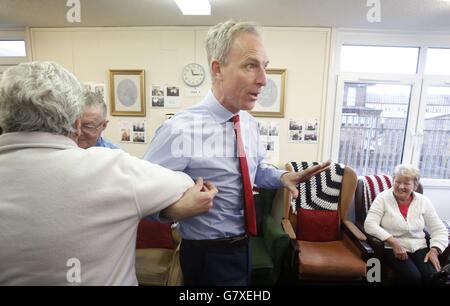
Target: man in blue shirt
(202, 143)
(93, 123)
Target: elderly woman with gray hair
(68, 215)
(398, 216)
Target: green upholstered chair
(271, 243)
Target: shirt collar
(99, 141)
(17, 140)
(217, 110)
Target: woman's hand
(399, 251)
(432, 256)
(196, 200)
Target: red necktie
(249, 205)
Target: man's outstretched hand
(291, 179)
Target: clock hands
(193, 73)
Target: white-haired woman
(69, 215)
(398, 217)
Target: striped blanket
(373, 185)
(322, 191)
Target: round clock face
(193, 74)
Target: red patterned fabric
(373, 185)
(154, 235)
(317, 225)
(249, 205)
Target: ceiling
(424, 15)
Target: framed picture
(127, 92)
(271, 99)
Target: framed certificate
(127, 92)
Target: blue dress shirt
(201, 142)
(101, 142)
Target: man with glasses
(93, 123)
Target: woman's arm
(374, 217)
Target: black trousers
(204, 264)
(412, 271)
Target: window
(374, 127)
(373, 59)
(12, 48)
(438, 61)
(392, 104)
(434, 161)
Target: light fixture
(194, 7)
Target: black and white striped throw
(322, 191)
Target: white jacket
(384, 220)
(64, 208)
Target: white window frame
(337, 79)
(14, 34)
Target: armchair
(368, 187)
(157, 254)
(270, 245)
(324, 244)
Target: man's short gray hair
(40, 97)
(221, 36)
(95, 99)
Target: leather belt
(229, 242)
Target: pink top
(404, 206)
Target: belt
(229, 242)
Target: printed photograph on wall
(295, 133)
(133, 131)
(166, 96)
(95, 87)
(311, 131)
(127, 92)
(269, 137)
(172, 97)
(303, 131)
(157, 96)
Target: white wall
(163, 51)
(438, 192)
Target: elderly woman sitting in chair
(398, 216)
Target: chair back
(323, 202)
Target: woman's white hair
(220, 38)
(40, 97)
(407, 171)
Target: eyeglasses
(89, 128)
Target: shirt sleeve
(373, 220)
(436, 228)
(267, 176)
(155, 187)
(168, 148)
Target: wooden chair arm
(354, 234)
(355, 231)
(287, 227)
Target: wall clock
(193, 74)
